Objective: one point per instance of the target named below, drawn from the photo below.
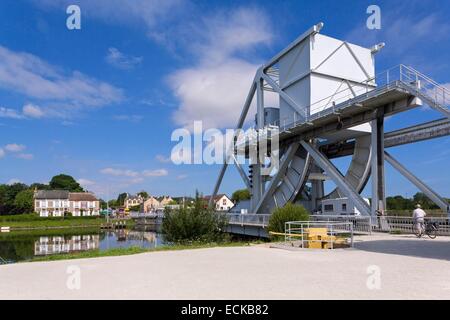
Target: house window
(344, 207)
(224, 201)
(328, 208)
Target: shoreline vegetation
(136, 250)
(34, 222)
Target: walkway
(410, 269)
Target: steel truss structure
(313, 134)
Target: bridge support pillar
(377, 165)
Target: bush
(290, 212)
(195, 224)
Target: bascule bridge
(332, 103)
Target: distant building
(54, 203)
(151, 204)
(165, 200)
(83, 204)
(132, 201)
(221, 202)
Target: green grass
(34, 222)
(136, 250)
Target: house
(83, 204)
(132, 201)
(340, 206)
(221, 202)
(51, 203)
(165, 200)
(55, 203)
(151, 204)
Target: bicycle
(428, 228)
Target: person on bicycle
(419, 218)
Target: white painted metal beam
(337, 177)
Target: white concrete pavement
(409, 268)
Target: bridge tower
(333, 104)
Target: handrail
(406, 75)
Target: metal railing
(318, 234)
(360, 224)
(259, 220)
(392, 224)
(137, 215)
(406, 224)
(398, 76)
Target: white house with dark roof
(221, 202)
(54, 203)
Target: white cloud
(162, 159)
(119, 172)
(13, 181)
(32, 111)
(10, 113)
(423, 29)
(122, 61)
(25, 156)
(14, 147)
(63, 93)
(85, 182)
(130, 118)
(155, 173)
(182, 176)
(134, 174)
(2, 153)
(214, 90)
(135, 12)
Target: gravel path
(379, 267)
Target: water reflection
(58, 244)
(19, 246)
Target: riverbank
(379, 267)
(29, 222)
(136, 250)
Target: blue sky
(101, 103)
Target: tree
(424, 201)
(113, 203)
(196, 224)
(24, 201)
(239, 195)
(8, 195)
(65, 182)
(143, 194)
(39, 186)
(290, 212)
(103, 204)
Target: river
(18, 246)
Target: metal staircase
(432, 93)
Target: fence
(319, 234)
(398, 76)
(260, 220)
(360, 224)
(406, 224)
(393, 224)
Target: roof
(51, 194)
(216, 198)
(82, 196)
(134, 197)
